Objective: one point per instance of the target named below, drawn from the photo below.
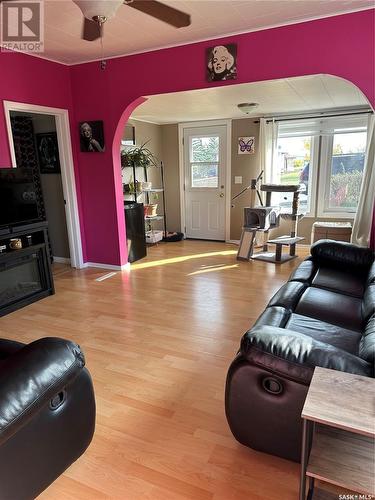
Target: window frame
(216, 163)
(323, 130)
(325, 164)
(313, 167)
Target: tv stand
(25, 273)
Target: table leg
(278, 252)
(310, 492)
(306, 438)
(292, 250)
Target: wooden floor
(158, 341)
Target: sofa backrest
(340, 254)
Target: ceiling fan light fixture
(247, 107)
(98, 9)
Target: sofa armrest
(332, 252)
(31, 377)
(295, 355)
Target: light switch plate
(238, 179)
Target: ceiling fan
(97, 12)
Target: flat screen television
(19, 201)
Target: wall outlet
(238, 179)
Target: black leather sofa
(323, 316)
(47, 414)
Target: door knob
(221, 195)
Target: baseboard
(99, 265)
(61, 260)
(234, 242)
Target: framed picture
(246, 145)
(221, 62)
(92, 137)
(48, 153)
(129, 135)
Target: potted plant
(133, 187)
(150, 209)
(139, 156)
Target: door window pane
(204, 175)
(205, 149)
(346, 170)
(293, 165)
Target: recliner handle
(57, 400)
(272, 385)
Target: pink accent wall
(36, 81)
(372, 236)
(342, 46)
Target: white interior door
(204, 170)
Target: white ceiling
(290, 95)
(132, 31)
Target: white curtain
(268, 151)
(363, 217)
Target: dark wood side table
(339, 421)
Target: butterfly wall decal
(246, 145)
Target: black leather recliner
(323, 316)
(47, 413)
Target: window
(293, 167)
(204, 162)
(345, 163)
(331, 150)
(296, 158)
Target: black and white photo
(48, 153)
(221, 62)
(92, 137)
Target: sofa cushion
(331, 307)
(367, 343)
(371, 275)
(338, 254)
(291, 353)
(305, 272)
(274, 316)
(368, 304)
(8, 347)
(288, 295)
(344, 339)
(340, 281)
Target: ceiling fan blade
(160, 11)
(91, 30)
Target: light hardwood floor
(158, 341)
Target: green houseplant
(140, 156)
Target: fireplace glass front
(20, 279)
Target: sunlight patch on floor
(177, 260)
(210, 269)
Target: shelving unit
(147, 193)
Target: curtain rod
(317, 116)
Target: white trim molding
(61, 260)
(67, 170)
(99, 265)
(206, 123)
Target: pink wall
(36, 81)
(372, 239)
(341, 46)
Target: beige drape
(363, 218)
